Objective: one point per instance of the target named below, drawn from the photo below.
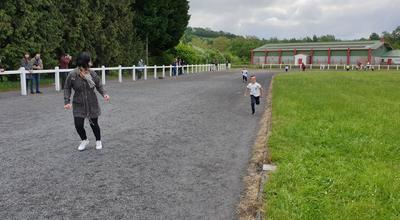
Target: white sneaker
(99, 146)
(83, 145)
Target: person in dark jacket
(27, 64)
(85, 105)
(65, 60)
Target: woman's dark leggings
(80, 127)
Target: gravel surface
(172, 149)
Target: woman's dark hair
(83, 60)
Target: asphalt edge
(251, 204)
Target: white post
(57, 78)
(336, 67)
(170, 71)
(155, 72)
(197, 68)
(163, 71)
(329, 66)
(270, 66)
(388, 67)
(379, 67)
(23, 81)
(145, 72)
(397, 67)
(134, 73)
(103, 75)
(120, 74)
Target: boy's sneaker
(99, 146)
(83, 145)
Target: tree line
(206, 44)
(114, 32)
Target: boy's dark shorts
(255, 100)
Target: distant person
(183, 63)
(174, 67)
(256, 91)
(303, 67)
(347, 68)
(37, 64)
(1, 70)
(27, 65)
(85, 105)
(245, 74)
(64, 62)
(286, 68)
(179, 64)
(141, 68)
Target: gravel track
(173, 149)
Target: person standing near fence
(174, 68)
(27, 65)
(1, 70)
(141, 68)
(37, 64)
(65, 60)
(85, 105)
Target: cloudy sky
(346, 19)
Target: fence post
(57, 78)
(192, 67)
(379, 67)
(397, 67)
(120, 73)
(103, 75)
(163, 71)
(23, 81)
(170, 71)
(134, 73)
(155, 72)
(336, 67)
(145, 72)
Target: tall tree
(161, 23)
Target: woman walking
(85, 104)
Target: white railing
(331, 66)
(186, 69)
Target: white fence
(187, 69)
(331, 66)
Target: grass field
(336, 142)
(16, 85)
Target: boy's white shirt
(244, 72)
(255, 89)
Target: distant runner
(245, 74)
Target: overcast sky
(346, 19)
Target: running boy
(256, 91)
(244, 75)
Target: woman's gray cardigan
(85, 103)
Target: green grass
(16, 85)
(336, 142)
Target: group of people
(177, 67)
(31, 64)
(36, 63)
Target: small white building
(301, 58)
